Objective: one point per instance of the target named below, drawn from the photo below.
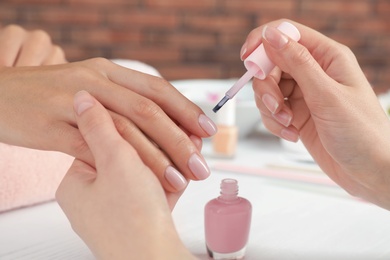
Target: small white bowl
(206, 93)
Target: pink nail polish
(227, 223)
(175, 178)
(207, 125)
(198, 167)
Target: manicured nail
(274, 37)
(198, 167)
(289, 135)
(175, 178)
(82, 101)
(283, 117)
(207, 125)
(270, 102)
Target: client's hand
(118, 208)
(161, 124)
(319, 94)
(20, 47)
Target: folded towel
(28, 176)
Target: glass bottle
(227, 223)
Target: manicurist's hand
(320, 95)
(118, 208)
(21, 47)
(158, 121)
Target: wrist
(155, 240)
(379, 160)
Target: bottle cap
(258, 59)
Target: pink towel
(29, 176)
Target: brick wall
(201, 38)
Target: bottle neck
(229, 190)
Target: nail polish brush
(257, 63)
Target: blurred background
(188, 39)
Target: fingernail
(82, 101)
(198, 167)
(283, 117)
(175, 178)
(289, 135)
(270, 102)
(207, 125)
(243, 51)
(274, 37)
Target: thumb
(296, 60)
(97, 129)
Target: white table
(294, 217)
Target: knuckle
(59, 52)
(41, 36)
(79, 146)
(14, 29)
(99, 62)
(124, 127)
(146, 109)
(157, 84)
(344, 51)
(91, 125)
(182, 141)
(302, 58)
(83, 74)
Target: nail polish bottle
(227, 223)
(225, 140)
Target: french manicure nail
(274, 37)
(270, 102)
(207, 124)
(175, 178)
(283, 117)
(198, 167)
(289, 135)
(243, 51)
(82, 101)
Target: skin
(118, 207)
(20, 47)
(36, 92)
(330, 106)
(121, 196)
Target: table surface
(298, 213)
